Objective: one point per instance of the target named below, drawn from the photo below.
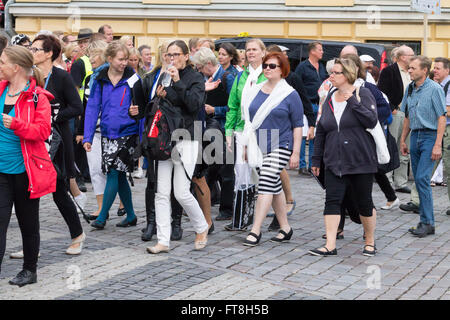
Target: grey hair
(203, 56)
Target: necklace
(18, 93)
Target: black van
(298, 49)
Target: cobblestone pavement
(114, 263)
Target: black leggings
(67, 208)
(14, 190)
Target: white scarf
(278, 94)
(252, 79)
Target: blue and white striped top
(425, 105)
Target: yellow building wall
(154, 32)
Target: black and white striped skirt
(269, 174)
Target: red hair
(282, 61)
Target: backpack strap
(410, 90)
(446, 88)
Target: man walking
(393, 81)
(424, 107)
(312, 73)
(441, 75)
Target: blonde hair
(95, 47)
(23, 58)
(162, 49)
(203, 56)
(260, 43)
(114, 47)
(125, 38)
(349, 69)
(68, 50)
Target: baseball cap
(366, 58)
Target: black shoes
(317, 252)
(250, 243)
(304, 171)
(339, 235)
(409, 207)
(121, 212)
(125, 223)
(229, 227)
(81, 185)
(149, 232)
(98, 224)
(23, 278)
(223, 216)
(274, 225)
(369, 253)
(422, 230)
(287, 236)
(403, 190)
(448, 212)
(211, 229)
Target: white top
(339, 108)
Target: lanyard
(46, 81)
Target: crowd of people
(82, 108)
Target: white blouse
(339, 108)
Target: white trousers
(181, 185)
(94, 158)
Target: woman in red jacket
(26, 171)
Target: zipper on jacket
(25, 142)
(123, 95)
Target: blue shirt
(425, 105)
(11, 158)
(282, 119)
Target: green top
(234, 121)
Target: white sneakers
(76, 251)
(393, 205)
(81, 200)
(139, 173)
(19, 255)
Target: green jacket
(234, 121)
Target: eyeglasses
(336, 72)
(174, 55)
(34, 49)
(270, 65)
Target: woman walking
(275, 107)
(26, 171)
(112, 95)
(348, 153)
(186, 92)
(65, 106)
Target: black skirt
(118, 153)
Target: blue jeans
(422, 143)
(302, 163)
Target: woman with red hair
(273, 114)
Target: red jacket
(33, 126)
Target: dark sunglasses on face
(270, 65)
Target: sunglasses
(270, 65)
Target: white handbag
(379, 138)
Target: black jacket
(297, 83)
(391, 84)
(349, 149)
(188, 94)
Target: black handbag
(244, 207)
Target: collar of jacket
(127, 73)
(30, 91)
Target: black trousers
(224, 173)
(385, 186)
(14, 191)
(67, 208)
